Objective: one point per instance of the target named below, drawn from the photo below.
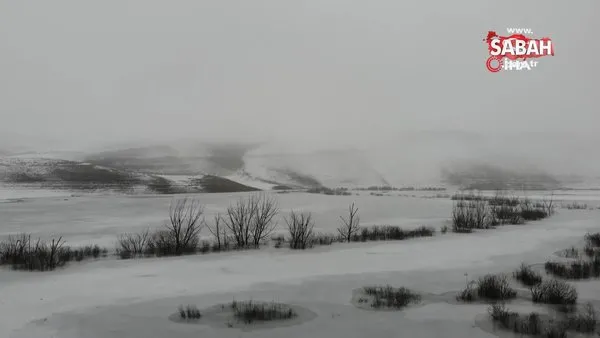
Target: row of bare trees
(247, 223)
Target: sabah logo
(516, 51)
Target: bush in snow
(133, 244)
(584, 320)
(468, 294)
(531, 211)
(390, 297)
(495, 287)
(325, 239)
(300, 227)
(189, 312)
(252, 220)
(350, 224)
(249, 311)
(529, 325)
(579, 269)
(527, 275)
(388, 232)
(21, 253)
(593, 240)
(222, 239)
(470, 214)
(554, 291)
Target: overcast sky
(82, 73)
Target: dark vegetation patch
(329, 191)
(571, 252)
(82, 176)
(389, 233)
(23, 177)
(554, 291)
(527, 276)
(584, 267)
(215, 184)
(579, 269)
(489, 177)
(584, 320)
(575, 206)
(301, 230)
(495, 287)
(161, 185)
(189, 312)
(593, 239)
(471, 212)
(301, 179)
(71, 175)
(390, 297)
(488, 287)
(530, 324)
(391, 188)
(22, 253)
(250, 311)
(245, 225)
(581, 321)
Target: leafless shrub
(350, 225)
(23, 254)
(468, 294)
(250, 311)
(325, 239)
(470, 214)
(528, 325)
(390, 297)
(251, 220)
(554, 291)
(593, 240)
(575, 206)
(133, 244)
(585, 320)
(496, 287)
(532, 211)
(548, 204)
(579, 269)
(220, 234)
(300, 227)
(263, 225)
(527, 275)
(189, 312)
(184, 225)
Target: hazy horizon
(308, 74)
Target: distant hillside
(491, 177)
(72, 175)
(220, 160)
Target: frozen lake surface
(114, 298)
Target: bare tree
(133, 244)
(219, 231)
(263, 225)
(238, 220)
(350, 225)
(480, 212)
(251, 220)
(300, 227)
(549, 204)
(185, 224)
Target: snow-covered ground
(114, 298)
(88, 218)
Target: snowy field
(84, 219)
(112, 298)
